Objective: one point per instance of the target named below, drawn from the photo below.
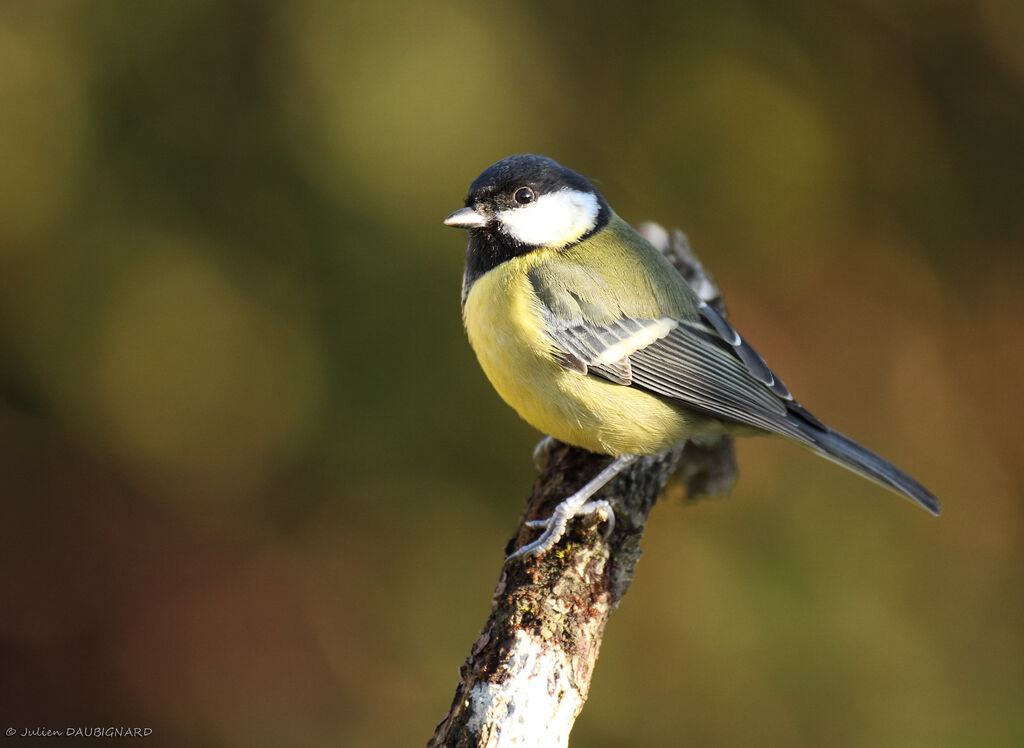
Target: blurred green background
(255, 487)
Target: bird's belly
(506, 333)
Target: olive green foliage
(255, 489)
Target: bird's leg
(574, 506)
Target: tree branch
(528, 674)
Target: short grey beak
(465, 218)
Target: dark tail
(843, 451)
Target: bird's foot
(577, 504)
(555, 525)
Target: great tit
(593, 337)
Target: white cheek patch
(553, 220)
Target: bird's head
(530, 202)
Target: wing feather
(755, 364)
(680, 360)
(684, 367)
(700, 361)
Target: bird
(593, 337)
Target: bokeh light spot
(195, 378)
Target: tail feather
(844, 451)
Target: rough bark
(528, 674)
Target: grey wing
(605, 349)
(589, 335)
(703, 363)
(710, 367)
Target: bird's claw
(554, 527)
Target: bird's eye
(524, 195)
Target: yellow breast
(505, 325)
